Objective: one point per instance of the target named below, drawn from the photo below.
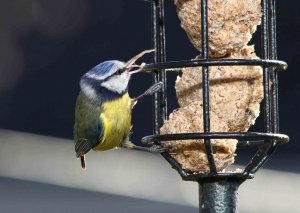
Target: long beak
(130, 64)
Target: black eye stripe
(119, 71)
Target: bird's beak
(130, 65)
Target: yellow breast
(116, 119)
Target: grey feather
(88, 129)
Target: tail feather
(83, 162)
(82, 146)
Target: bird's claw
(157, 149)
(154, 88)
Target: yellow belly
(116, 119)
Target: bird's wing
(82, 146)
(88, 129)
(91, 139)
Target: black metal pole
(156, 100)
(159, 43)
(205, 87)
(218, 196)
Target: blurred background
(45, 47)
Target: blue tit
(103, 108)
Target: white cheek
(117, 83)
(88, 91)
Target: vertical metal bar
(155, 79)
(162, 50)
(160, 98)
(205, 87)
(265, 55)
(274, 92)
(274, 74)
(260, 156)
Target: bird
(103, 108)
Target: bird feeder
(217, 188)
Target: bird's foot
(157, 148)
(153, 89)
(154, 148)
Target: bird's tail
(83, 162)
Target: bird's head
(112, 76)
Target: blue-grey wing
(88, 128)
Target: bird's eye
(119, 72)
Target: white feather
(88, 90)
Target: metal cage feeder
(218, 190)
